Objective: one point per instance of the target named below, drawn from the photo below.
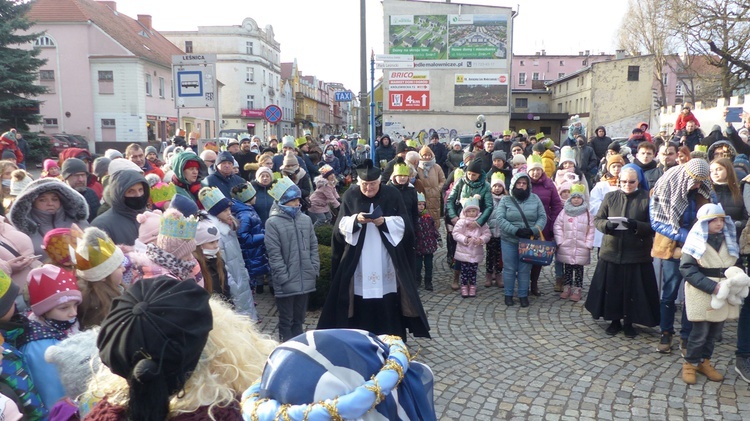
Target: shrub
(323, 283)
(324, 234)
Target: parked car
(75, 141)
(56, 144)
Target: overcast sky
(323, 35)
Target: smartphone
(734, 115)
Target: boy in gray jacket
(292, 249)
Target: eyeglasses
(628, 181)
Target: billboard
(471, 90)
(461, 40)
(408, 90)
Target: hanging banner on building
(480, 90)
(408, 90)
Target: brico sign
(408, 90)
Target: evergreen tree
(19, 68)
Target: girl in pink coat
(574, 233)
(470, 240)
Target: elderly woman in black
(624, 283)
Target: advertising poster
(408, 90)
(480, 90)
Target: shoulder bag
(537, 252)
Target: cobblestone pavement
(552, 361)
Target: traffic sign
(394, 57)
(343, 95)
(194, 77)
(272, 114)
(395, 65)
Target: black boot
(524, 301)
(259, 288)
(428, 283)
(509, 300)
(614, 328)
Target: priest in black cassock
(373, 285)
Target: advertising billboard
(489, 90)
(408, 90)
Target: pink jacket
(575, 238)
(466, 228)
(21, 244)
(322, 198)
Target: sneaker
(683, 347)
(575, 295)
(665, 343)
(742, 367)
(566, 292)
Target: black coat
(600, 144)
(441, 154)
(243, 158)
(624, 247)
(732, 207)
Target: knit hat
(113, 154)
(50, 286)
(615, 159)
(300, 141)
(518, 159)
(325, 170)
(467, 155)
(367, 171)
(206, 233)
(262, 170)
(614, 146)
(19, 180)
(420, 197)
(564, 186)
(455, 142)
(208, 155)
(243, 192)
(148, 229)
(534, 161)
(213, 200)
(401, 147)
(426, 151)
(177, 233)
(96, 255)
(487, 135)
(539, 147)
(578, 190)
(224, 157)
(149, 149)
(284, 190)
(117, 165)
(567, 154)
(400, 168)
(74, 358)
(471, 202)
(184, 205)
(499, 155)
(497, 178)
(101, 166)
(8, 293)
(191, 164)
(233, 142)
(49, 163)
(475, 166)
(290, 162)
(288, 142)
(57, 243)
(73, 166)
(153, 337)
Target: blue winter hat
(186, 206)
(224, 156)
(213, 200)
(290, 194)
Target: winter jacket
(695, 201)
(510, 220)
(699, 287)
(237, 276)
(486, 158)
(441, 154)
(651, 171)
(548, 163)
(119, 222)
(21, 244)
(93, 201)
(409, 193)
(333, 162)
(324, 198)
(493, 223)
(84, 155)
(242, 158)
(683, 119)
(600, 144)
(427, 235)
(263, 201)
(465, 188)
(586, 160)
(454, 159)
(507, 172)
(693, 138)
(546, 191)
(223, 183)
(625, 246)
(596, 198)
(251, 234)
(575, 238)
(467, 228)
(16, 372)
(432, 182)
(35, 224)
(384, 153)
(181, 186)
(732, 207)
(292, 253)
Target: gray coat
(292, 249)
(510, 220)
(238, 278)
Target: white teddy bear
(733, 290)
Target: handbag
(744, 240)
(665, 248)
(536, 252)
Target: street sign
(194, 77)
(272, 114)
(394, 57)
(409, 100)
(394, 65)
(343, 95)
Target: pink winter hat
(51, 286)
(49, 163)
(149, 229)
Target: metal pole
(372, 107)
(363, 69)
(217, 124)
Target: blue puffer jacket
(263, 201)
(251, 235)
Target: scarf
(183, 269)
(670, 195)
(645, 167)
(426, 166)
(37, 329)
(572, 210)
(192, 188)
(695, 243)
(520, 195)
(611, 179)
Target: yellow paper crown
(300, 141)
(163, 193)
(92, 256)
(457, 174)
(507, 132)
(245, 193)
(401, 169)
(534, 160)
(540, 136)
(701, 148)
(279, 187)
(523, 132)
(497, 177)
(411, 143)
(578, 188)
(178, 227)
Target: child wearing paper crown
(219, 210)
(292, 255)
(574, 233)
(494, 264)
(212, 264)
(567, 166)
(428, 239)
(470, 240)
(250, 232)
(710, 247)
(54, 299)
(324, 197)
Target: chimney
(588, 52)
(111, 4)
(145, 20)
(538, 53)
(619, 54)
(544, 52)
(580, 53)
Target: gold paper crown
(401, 169)
(300, 141)
(507, 132)
(578, 188)
(701, 148)
(540, 136)
(534, 159)
(411, 143)
(497, 176)
(163, 193)
(178, 227)
(279, 187)
(210, 196)
(93, 256)
(523, 132)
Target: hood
(600, 128)
(73, 203)
(178, 164)
(712, 149)
(521, 175)
(119, 184)
(75, 153)
(642, 123)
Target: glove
(632, 224)
(610, 226)
(524, 233)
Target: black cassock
(394, 313)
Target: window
(249, 47)
(108, 123)
(250, 75)
(250, 102)
(522, 78)
(559, 75)
(521, 63)
(148, 84)
(522, 103)
(188, 46)
(665, 78)
(562, 62)
(633, 73)
(50, 122)
(585, 63)
(46, 75)
(44, 41)
(535, 76)
(559, 107)
(161, 87)
(678, 89)
(106, 76)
